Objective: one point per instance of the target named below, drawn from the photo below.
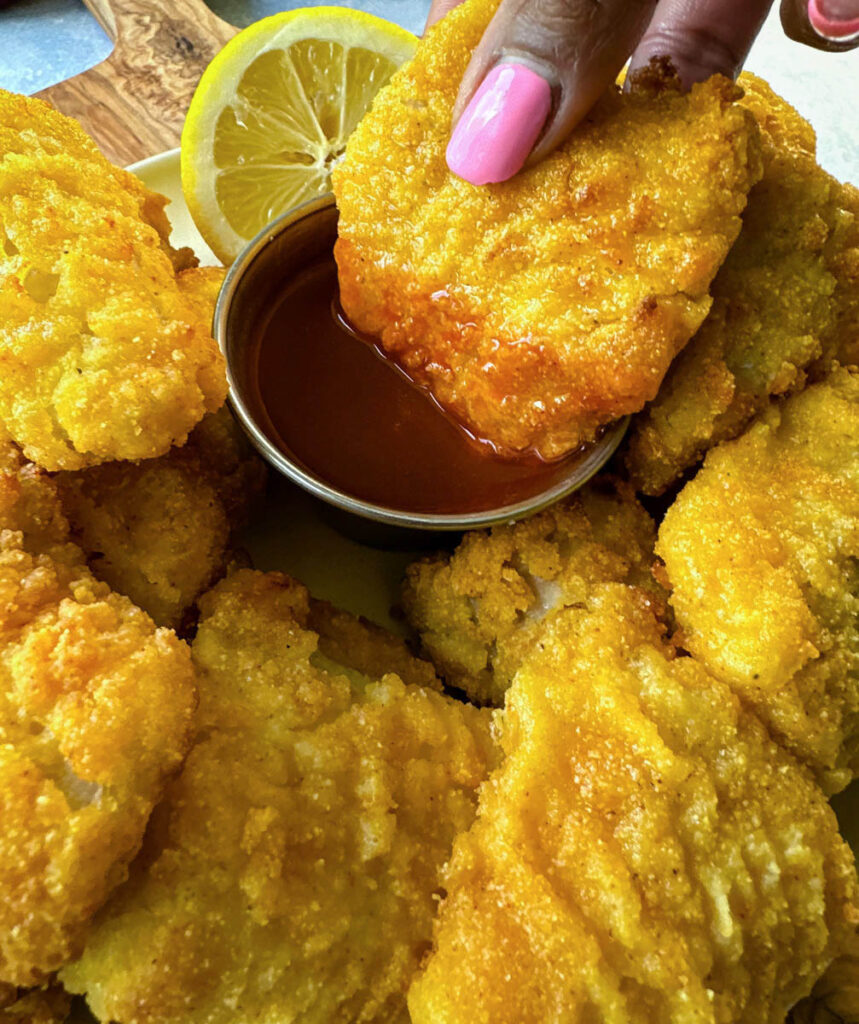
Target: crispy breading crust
(155, 531)
(367, 648)
(760, 550)
(292, 872)
(95, 710)
(481, 610)
(159, 531)
(644, 853)
(542, 308)
(786, 298)
(100, 355)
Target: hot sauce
(335, 404)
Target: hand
(542, 64)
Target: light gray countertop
(44, 41)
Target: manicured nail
(829, 22)
(500, 125)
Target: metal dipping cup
(295, 240)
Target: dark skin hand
(542, 64)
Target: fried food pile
(644, 853)
(785, 303)
(761, 551)
(95, 710)
(101, 355)
(542, 308)
(289, 816)
(292, 871)
(480, 611)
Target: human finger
(824, 24)
(702, 37)
(438, 9)
(539, 68)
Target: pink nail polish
(826, 22)
(500, 125)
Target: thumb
(539, 68)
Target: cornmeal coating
(542, 308)
(95, 711)
(480, 610)
(785, 302)
(356, 643)
(291, 873)
(160, 531)
(101, 357)
(48, 1005)
(760, 550)
(154, 531)
(645, 853)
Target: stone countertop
(45, 41)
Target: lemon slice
(272, 114)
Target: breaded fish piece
(787, 298)
(101, 357)
(644, 853)
(160, 531)
(760, 551)
(292, 872)
(49, 1005)
(155, 531)
(95, 713)
(480, 610)
(542, 308)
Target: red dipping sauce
(350, 416)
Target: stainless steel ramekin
(296, 239)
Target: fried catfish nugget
(644, 853)
(481, 610)
(101, 356)
(785, 301)
(160, 531)
(542, 308)
(95, 712)
(292, 872)
(760, 551)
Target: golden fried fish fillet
(291, 873)
(787, 298)
(539, 309)
(160, 531)
(760, 551)
(48, 1005)
(101, 356)
(644, 853)
(95, 713)
(480, 610)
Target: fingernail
(500, 125)
(828, 21)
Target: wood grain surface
(133, 104)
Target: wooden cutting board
(133, 104)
